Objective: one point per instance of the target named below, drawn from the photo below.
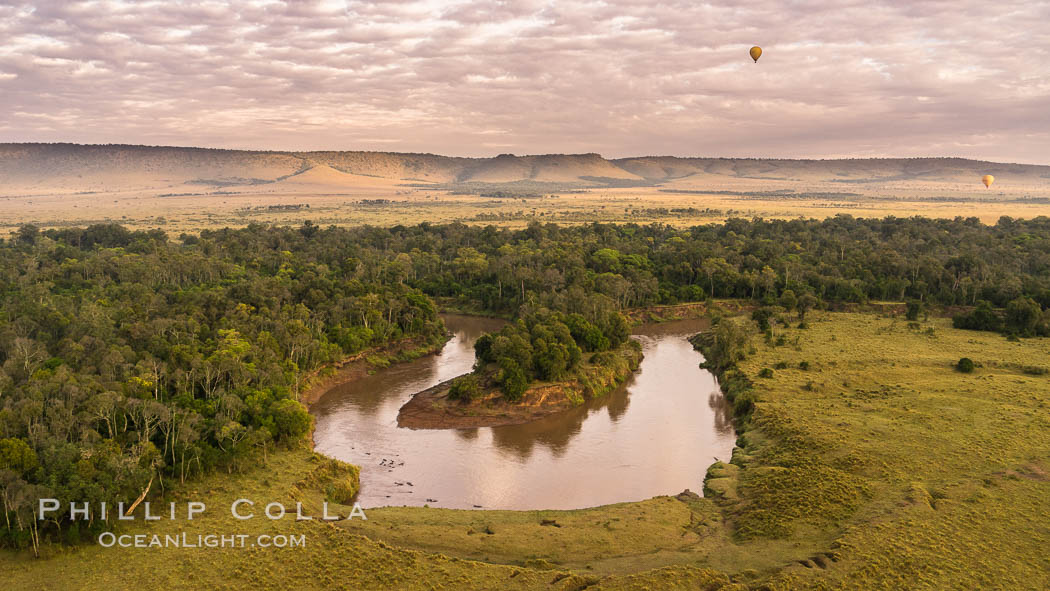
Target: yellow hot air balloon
(756, 52)
(988, 180)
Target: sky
(618, 77)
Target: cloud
(618, 77)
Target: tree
(913, 309)
(983, 317)
(788, 300)
(27, 234)
(607, 260)
(728, 345)
(1022, 316)
(806, 302)
(17, 456)
(512, 379)
(291, 419)
(714, 267)
(767, 278)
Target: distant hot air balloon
(756, 52)
(988, 180)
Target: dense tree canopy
(126, 358)
(545, 345)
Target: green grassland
(878, 467)
(931, 478)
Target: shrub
(965, 365)
(744, 404)
(983, 317)
(738, 390)
(513, 380)
(765, 372)
(761, 316)
(465, 388)
(1022, 316)
(913, 309)
(723, 347)
(803, 365)
(781, 365)
(291, 419)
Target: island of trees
(542, 363)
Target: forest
(136, 359)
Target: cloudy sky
(620, 77)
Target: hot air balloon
(988, 180)
(756, 52)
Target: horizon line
(506, 154)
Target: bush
(913, 309)
(781, 365)
(765, 372)
(1023, 316)
(339, 481)
(762, 317)
(965, 365)
(604, 359)
(291, 419)
(724, 346)
(744, 404)
(513, 380)
(983, 317)
(465, 388)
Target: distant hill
(27, 169)
(869, 170)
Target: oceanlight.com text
(184, 540)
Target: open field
(929, 477)
(190, 214)
(187, 189)
(877, 467)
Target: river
(655, 435)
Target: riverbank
(671, 312)
(433, 409)
(367, 362)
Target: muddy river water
(655, 435)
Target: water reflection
(654, 435)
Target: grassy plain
(877, 467)
(191, 213)
(930, 477)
